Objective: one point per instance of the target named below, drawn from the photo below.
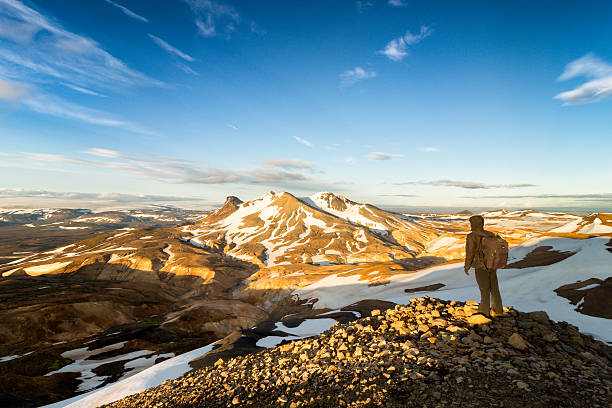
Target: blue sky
(404, 103)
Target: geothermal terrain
(89, 319)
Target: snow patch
(151, 377)
(46, 268)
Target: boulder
(517, 342)
(478, 318)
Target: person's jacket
(474, 257)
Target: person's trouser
(490, 298)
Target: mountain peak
(327, 199)
(232, 203)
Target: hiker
(476, 257)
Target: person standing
(490, 298)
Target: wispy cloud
(256, 29)
(54, 106)
(471, 185)
(397, 195)
(233, 127)
(83, 90)
(11, 91)
(352, 76)
(186, 68)
(37, 49)
(275, 176)
(168, 169)
(597, 197)
(128, 12)
(599, 80)
(429, 149)
(349, 160)
(206, 26)
(303, 141)
(397, 48)
(107, 198)
(397, 3)
(364, 5)
(211, 14)
(98, 151)
(383, 156)
(165, 169)
(171, 49)
(289, 163)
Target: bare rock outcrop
(426, 353)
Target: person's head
(477, 222)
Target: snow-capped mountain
(250, 274)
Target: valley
(145, 298)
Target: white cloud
(128, 12)
(352, 76)
(363, 5)
(11, 91)
(397, 3)
(170, 170)
(596, 197)
(256, 29)
(210, 14)
(54, 106)
(589, 66)
(383, 156)
(83, 90)
(350, 160)
(397, 48)
(289, 163)
(98, 151)
(185, 68)
(170, 49)
(206, 27)
(275, 176)
(110, 197)
(303, 141)
(215, 180)
(430, 149)
(471, 185)
(160, 168)
(599, 85)
(37, 49)
(233, 127)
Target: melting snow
(441, 242)
(526, 289)
(84, 365)
(58, 250)
(151, 377)
(8, 358)
(351, 213)
(596, 227)
(46, 268)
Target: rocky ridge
(428, 353)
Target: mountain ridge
(249, 274)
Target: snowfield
(152, 376)
(526, 289)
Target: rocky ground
(429, 353)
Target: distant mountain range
(249, 275)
